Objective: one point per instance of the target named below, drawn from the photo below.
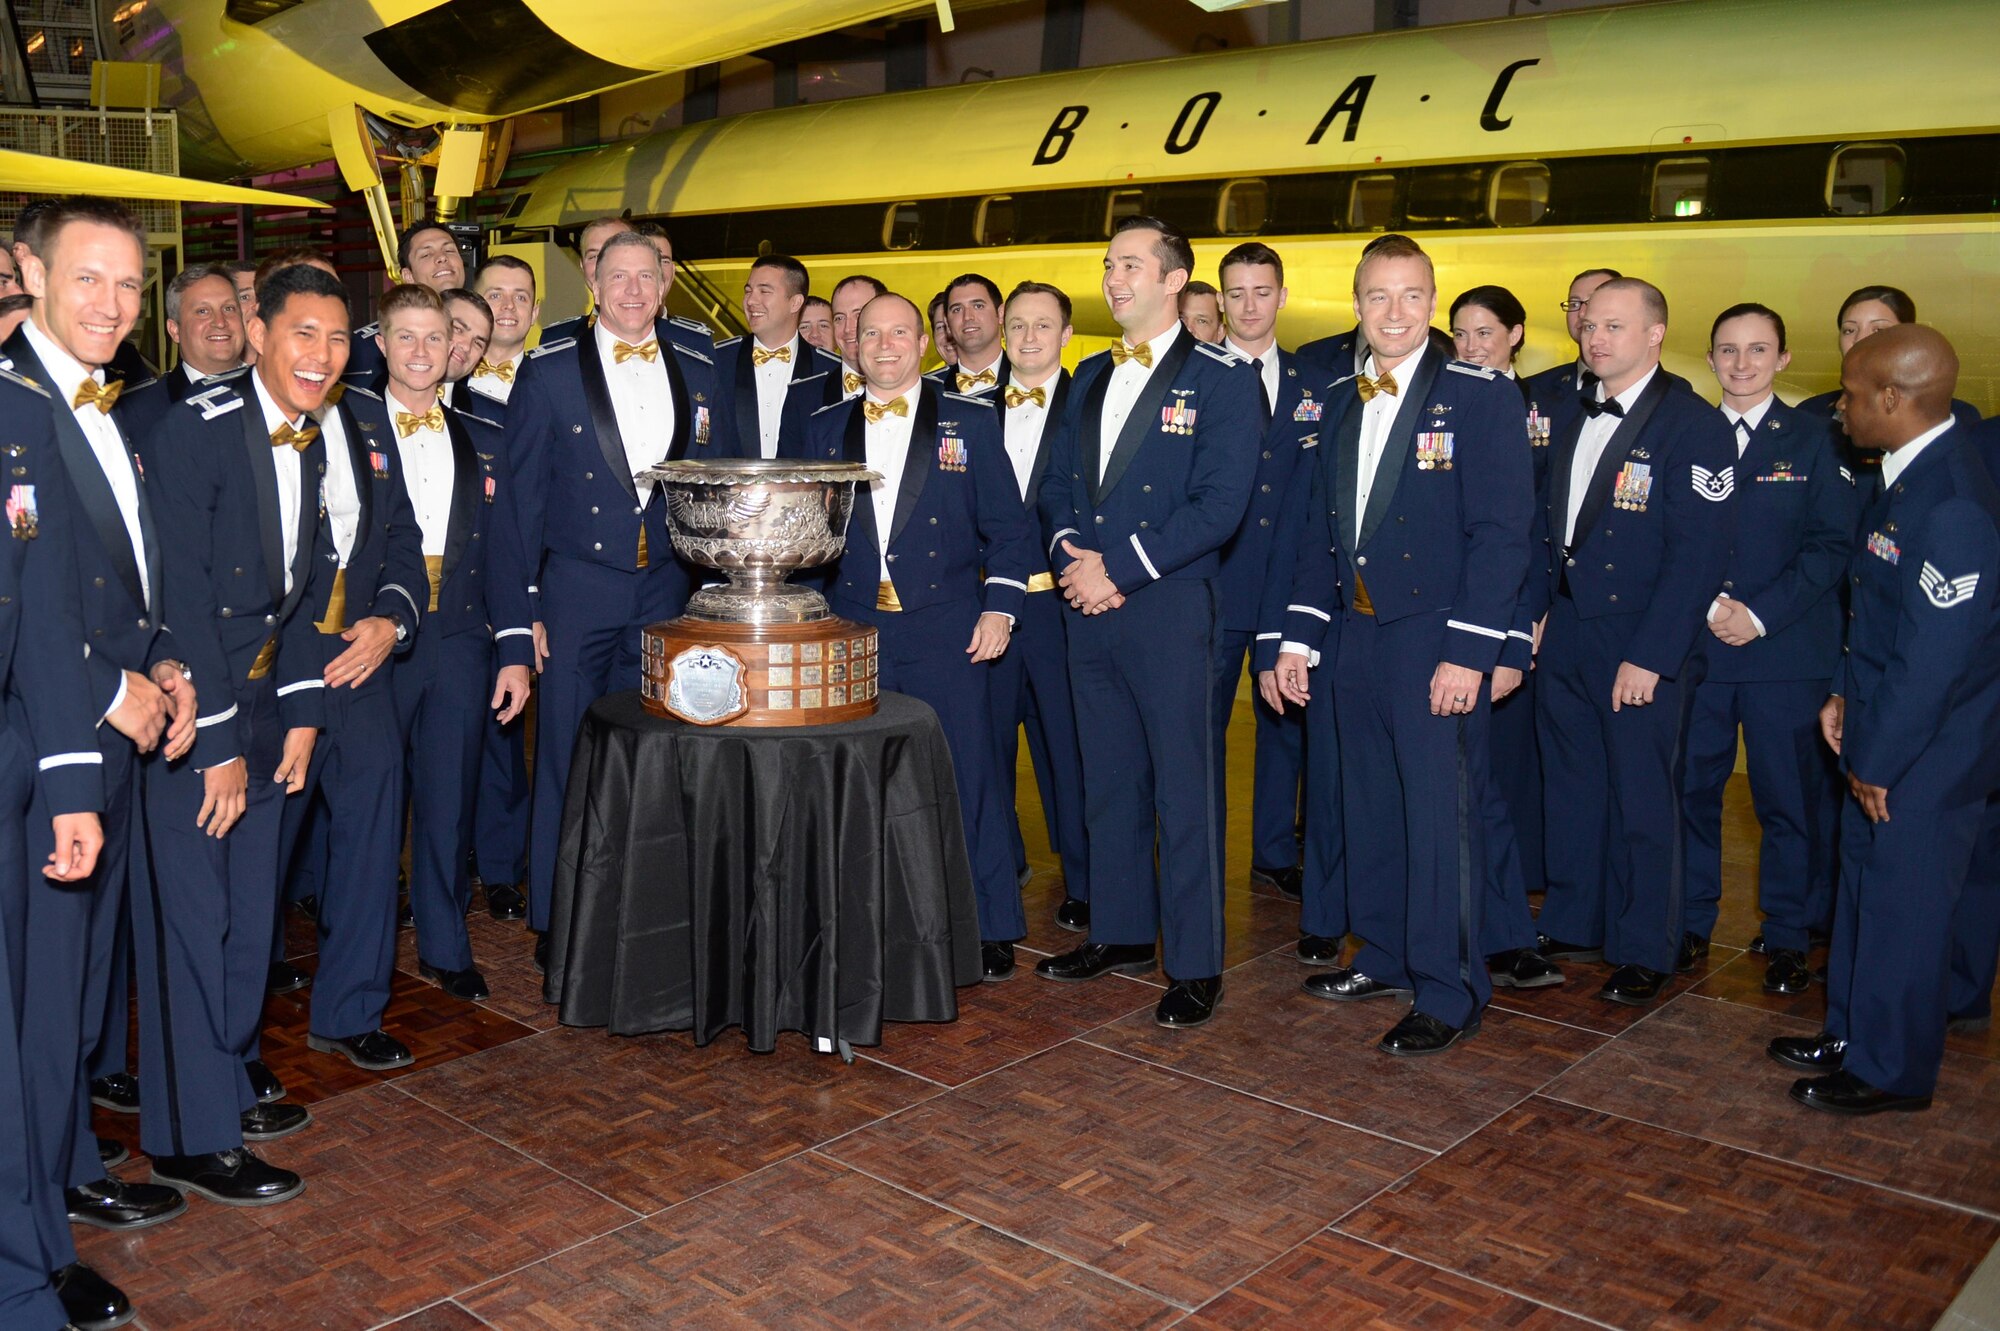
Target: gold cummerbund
(434, 570)
(336, 607)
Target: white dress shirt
(429, 471)
(643, 401)
(1745, 423)
(1895, 463)
(107, 445)
(290, 477)
(1267, 370)
(888, 442)
(1121, 394)
(196, 378)
(492, 385)
(772, 378)
(340, 493)
(1378, 418)
(992, 366)
(1590, 446)
(1023, 429)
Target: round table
(810, 879)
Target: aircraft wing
(37, 174)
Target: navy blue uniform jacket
(1247, 557)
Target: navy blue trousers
(1413, 787)
(1975, 933)
(1278, 757)
(500, 814)
(1029, 687)
(441, 689)
(1505, 922)
(1141, 677)
(1323, 906)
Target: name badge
(951, 452)
(1434, 450)
(23, 519)
(1635, 487)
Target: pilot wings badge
(1943, 592)
(1714, 486)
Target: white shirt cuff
(117, 700)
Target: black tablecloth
(810, 879)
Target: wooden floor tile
(438, 1317)
(1632, 1225)
(1254, 923)
(810, 1244)
(653, 1120)
(1335, 1283)
(1271, 1038)
(503, 951)
(1180, 1187)
(1575, 1001)
(402, 1207)
(999, 1023)
(1700, 1068)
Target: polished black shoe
(406, 916)
(1348, 985)
(1968, 1024)
(1557, 950)
(308, 907)
(233, 1178)
(996, 961)
(111, 1153)
(1694, 951)
(91, 1302)
(1419, 1033)
(1290, 880)
(1757, 945)
(1809, 1053)
(373, 1051)
(267, 1123)
(1073, 915)
(1095, 959)
(118, 1092)
(467, 984)
(1317, 950)
(1845, 1093)
(264, 1083)
(1188, 1003)
(1522, 968)
(113, 1203)
(285, 978)
(1634, 986)
(505, 902)
(1787, 972)
(542, 953)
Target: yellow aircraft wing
(37, 174)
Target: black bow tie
(1592, 407)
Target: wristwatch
(402, 633)
(179, 668)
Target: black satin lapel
(1090, 433)
(1143, 422)
(1051, 422)
(312, 475)
(364, 470)
(854, 448)
(749, 442)
(1396, 450)
(677, 447)
(917, 463)
(603, 420)
(1616, 451)
(465, 496)
(1347, 470)
(264, 474)
(148, 534)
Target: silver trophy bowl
(758, 520)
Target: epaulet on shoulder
(812, 378)
(821, 353)
(1345, 378)
(560, 344)
(7, 373)
(369, 330)
(215, 399)
(831, 406)
(728, 342)
(1467, 367)
(475, 416)
(1223, 354)
(690, 351)
(368, 393)
(968, 399)
(692, 325)
(153, 382)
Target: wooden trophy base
(710, 673)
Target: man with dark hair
(507, 285)
(850, 294)
(10, 275)
(243, 272)
(1148, 478)
(469, 321)
(1553, 393)
(1201, 312)
(1341, 354)
(941, 342)
(761, 368)
(428, 255)
(14, 312)
(816, 324)
(590, 240)
(824, 387)
(972, 313)
(1638, 520)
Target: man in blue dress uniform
(1915, 716)
(1554, 394)
(759, 368)
(1152, 468)
(428, 255)
(974, 317)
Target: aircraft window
(1680, 188)
(1372, 205)
(1123, 203)
(902, 227)
(1447, 196)
(995, 225)
(1520, 194)
(1864, 179)
(1245, 207)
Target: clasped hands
(1086, 585)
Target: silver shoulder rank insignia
(690, 352)
(728, 342)
(1944, 592)
(1467, 368)
(23, 380)
(560, 344)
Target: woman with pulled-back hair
(1869, 310)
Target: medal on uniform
(1179, 418)
(489, 489)
(1634, 488)
(951, 452)
(1308, 410)
(700, 423)
(379, 464)
(22, 517)
(1879, 545)
(1434, 450)
(1538, 427)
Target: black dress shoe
(233, 1178)
(264, 1083)
(267, 1123)
(1419, 1033)
(1694, 951)
(542, 953)
(1095, 959)
(1522, 968)
(118, 1092)
(1787, 972)
(1845, 1093)
(1188, 1003)
(285, 978)
(996, 961)
(1757, 945)
(113, 1203)
(1634, 986)
(505, 902)
(1969, 1024)
(1809, 1053)
(91, 1302)
(467, 984)
(1073, 915)
(372, 1051)
(1557, 950)
(1290, 880)
(111, 1153)
(1318, 950)
(308, 907)
(1348, 985)
(406, 917)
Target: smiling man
(759, 369)
(470, 333)
(973, 316)
(427, 255)
(206, 324)
(507, 285)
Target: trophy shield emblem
(705, 686)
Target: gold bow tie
(90, 393)
(1120, 353)
(850, 382)
(1016, 396)
(298, 439)
(875, 411)
(408, 423)
(648, 351)
(1370, 387)
(968, 382)
(758, 355)
(487, 369)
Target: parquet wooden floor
(1055, 1160)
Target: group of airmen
(264, 611)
